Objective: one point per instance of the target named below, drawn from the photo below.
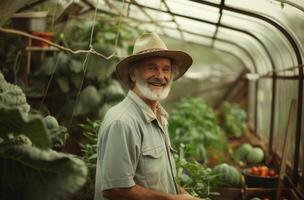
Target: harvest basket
(254, 181)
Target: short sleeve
(118, 155)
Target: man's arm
(181, 190)
(140, 193)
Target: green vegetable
(51, 122)
(113, 92)
(256, 198)
(242, 152)
(194, 177)
(227, 175)
(89, 101)
(90, 96)
(30, 173)
(11, 96)
(234, 119)
(192, 121)
(29, 168)
(256, 155)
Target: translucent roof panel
(237, 52)
(250, 44)
(200, 11)
(289, 17)
(188, 37)
(195, 26)
(282, 54)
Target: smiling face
(153, 78)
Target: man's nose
(160, 74)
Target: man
(135, 161)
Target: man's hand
(140, 193)
(185, 197)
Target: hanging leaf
(63, 84)
(75, 66)
(29, 173)
(62, 59)
(47, 67)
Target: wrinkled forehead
(160, 61)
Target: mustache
(158, 81)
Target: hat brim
(180, 60)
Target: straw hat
(150, 45)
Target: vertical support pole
(256, 107)
(273, 103)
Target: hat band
(150, 50)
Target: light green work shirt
(134, 148)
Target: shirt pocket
(154, 164)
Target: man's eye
(151, 68)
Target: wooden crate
(269, 193)
(227, 193)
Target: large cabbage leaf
(12, 120)
(29, 173)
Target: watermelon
(242, 152)
(227, 175)
(255, 156)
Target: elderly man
(135, 160)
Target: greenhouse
(86, 110)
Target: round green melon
(255, 156)
(51, 122)
(256, 198)
(242, 152)
(90, 97)
(227, 175)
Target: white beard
(148, 93)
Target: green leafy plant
(193, 122)
(234, 119)
(29, 168)
(193, 176)
(89, 155)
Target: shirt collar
(147, 111)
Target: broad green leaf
(29, 173)
(47, 67)
(75, 66)
(63, 84)
(12, 120)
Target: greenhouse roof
(265, 34)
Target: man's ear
(132, 75)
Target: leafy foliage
(12, 95)
(89, 150)
(29, 168)
(234, 119)
(194, 177)
(193, 123)
(30, 173)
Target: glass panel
(290, 16)
(188, 37)
(265, 33)
(200, 11)
(236, 52)
(251, 103)
(195, 26)
(254, 49)
(286, 91)
(264, 108)
(135, 12)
